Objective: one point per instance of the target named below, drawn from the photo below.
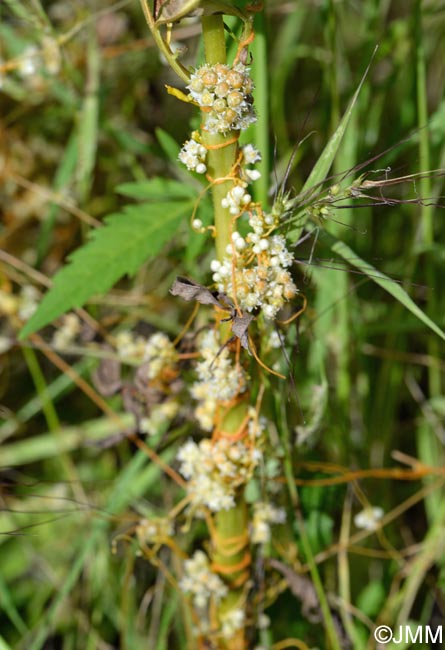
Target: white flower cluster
(64, 336)
(219, 379)
(160, 354)
(160, 416)
(257, 424)
(200, 581)
(129, 345)
(264, 515)
(223, 92)
(238, 198)
(32, 59)
(214, 470)
(232, 621)
(28, 302)
(24, 304)
(151, 531)
(259, 263)
(193, 154)
(369, 518)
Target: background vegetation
(83, 111)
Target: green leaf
(379, 278)
(126, 241)
(10, 609)
(370, 600)
(4, 645)
(157, 189)
(319, 527)
(321, 168)
(169, 145)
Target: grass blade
(379, 278)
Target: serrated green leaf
(379, 278)
(119, 248)
(157, 189)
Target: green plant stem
(162, 45)
(261, 126)
(48, 409)
(426, 211)
(232, 524)
(220, 160)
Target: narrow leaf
(381, 279)
(89, 120)
(126, 241)
(168, 144)
(323, 164)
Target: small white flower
(28, 301)
(231, 622)
(263, 622)
(193, 155)
(369, 518)
(265, 515)
(251, 155)
(200, 581)
(253, 174)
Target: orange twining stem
(239, 434)
(236, 543)
(221, 145)
(156, 459)
(243, 44)
(383, 473)
(240, 581)
(212, 182)
(187, 326)
(261, 363)
(295, 316)
(178, 507)
(226, 570)
(76, 378)
(290, 643)
(218, 181)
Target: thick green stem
(221, 156)
(231, 541)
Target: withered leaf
(191, 290)
(172, 10)
(107, 377)
(302, 588)
(240, 327)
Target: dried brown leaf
(107, 377)
(191, 290)
(240, 327)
